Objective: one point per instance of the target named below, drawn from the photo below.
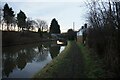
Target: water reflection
(19, 60)
(54, 50)
(9, 65)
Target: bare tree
(42, 25)
(104, 33)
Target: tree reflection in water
(15, 58)
(9, 65)
(54, 50)
(21, 60)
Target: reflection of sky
(38, 62)
(65, 12)
(62, 48)
(30, 69)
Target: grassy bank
(93, 65)
(76, 61)
(11, 38)
(68, 64)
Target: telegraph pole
(73, 25)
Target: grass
(93, 68)
(49, 70)
(76, 61)
(67, 65)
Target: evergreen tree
(8, 15)
(54, 27)
(21, 18)
(11, 14)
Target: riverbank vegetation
(102, 34)
(93, 65)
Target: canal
(23, 61)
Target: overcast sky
(65, 12)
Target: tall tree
(12, 15)
(21, 18)
(54, 27)
(8, 15)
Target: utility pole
(73, 25)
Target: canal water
(24, 61)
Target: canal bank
(69, 64)
(14, 38)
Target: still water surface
(24, 61)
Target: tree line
(102, 34)
(22, 22)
